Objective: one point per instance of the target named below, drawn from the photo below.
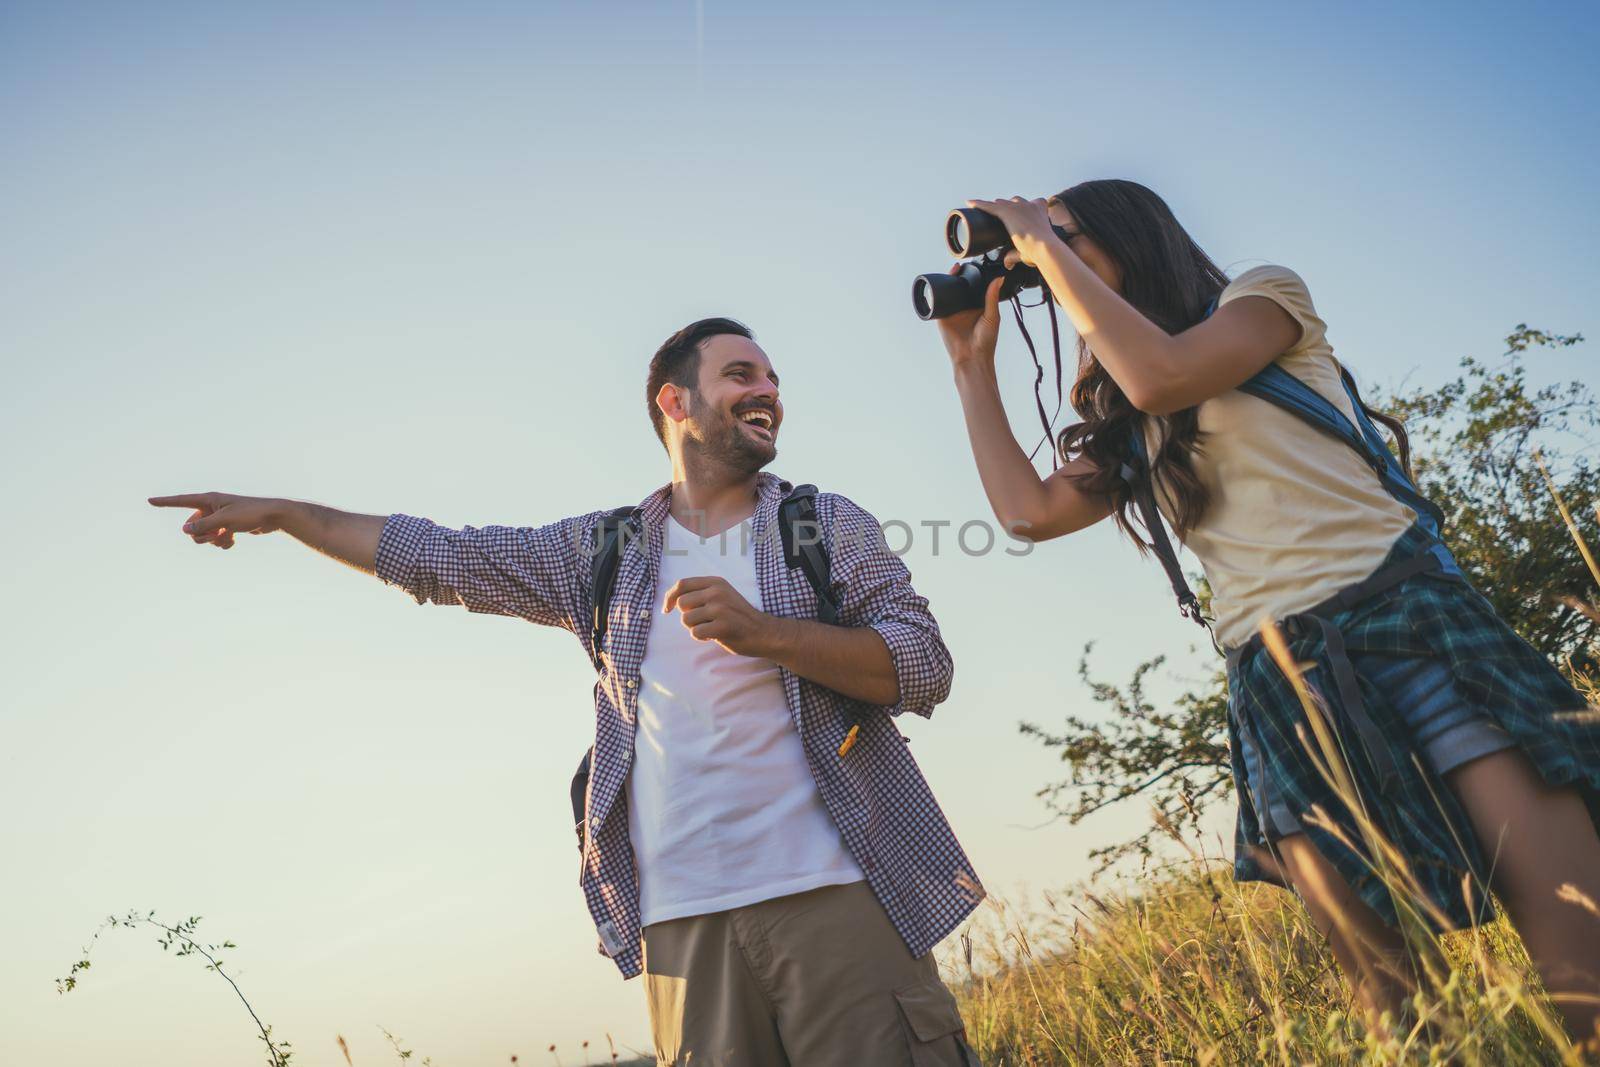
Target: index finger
(682, 586)
(184, 500)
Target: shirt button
(632, 684)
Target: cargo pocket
(933, 1026)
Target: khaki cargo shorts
(816, 979)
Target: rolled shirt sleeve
(875, 590)
(537, 573)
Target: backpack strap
(579, 791)
(803, 548)
(1283, 390)
(1400, 485)
(610, 535)
(801, 532)
(1278, 387)
(609, 539)
(1137, 475)
(1141, 485)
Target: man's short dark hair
(678, 361)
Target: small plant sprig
(178, 938)
(404, 1053)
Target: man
(779, 879)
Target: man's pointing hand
(218, 516)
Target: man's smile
(760, 422)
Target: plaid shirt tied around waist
(1500, 676)
(875, 794)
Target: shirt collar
(770, 489)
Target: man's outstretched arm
(533, 573)
(217, 517)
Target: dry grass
(1189, 967)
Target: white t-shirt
(1295, 514)
(722, 808)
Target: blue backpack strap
(1282, 389)
(1401, 487)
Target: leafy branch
(179, 939)
(1178, 755)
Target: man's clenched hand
(713, 610)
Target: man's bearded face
(734, 412)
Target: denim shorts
(1444, 728)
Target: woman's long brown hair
(1172, 282)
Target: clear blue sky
(415, 257)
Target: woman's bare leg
(1371, 953)
(1539, 842)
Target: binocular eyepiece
(981, 239)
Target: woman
(1452, 725)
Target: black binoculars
(982, 240)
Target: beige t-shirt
(1295, 514)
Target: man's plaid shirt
(875, 794)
